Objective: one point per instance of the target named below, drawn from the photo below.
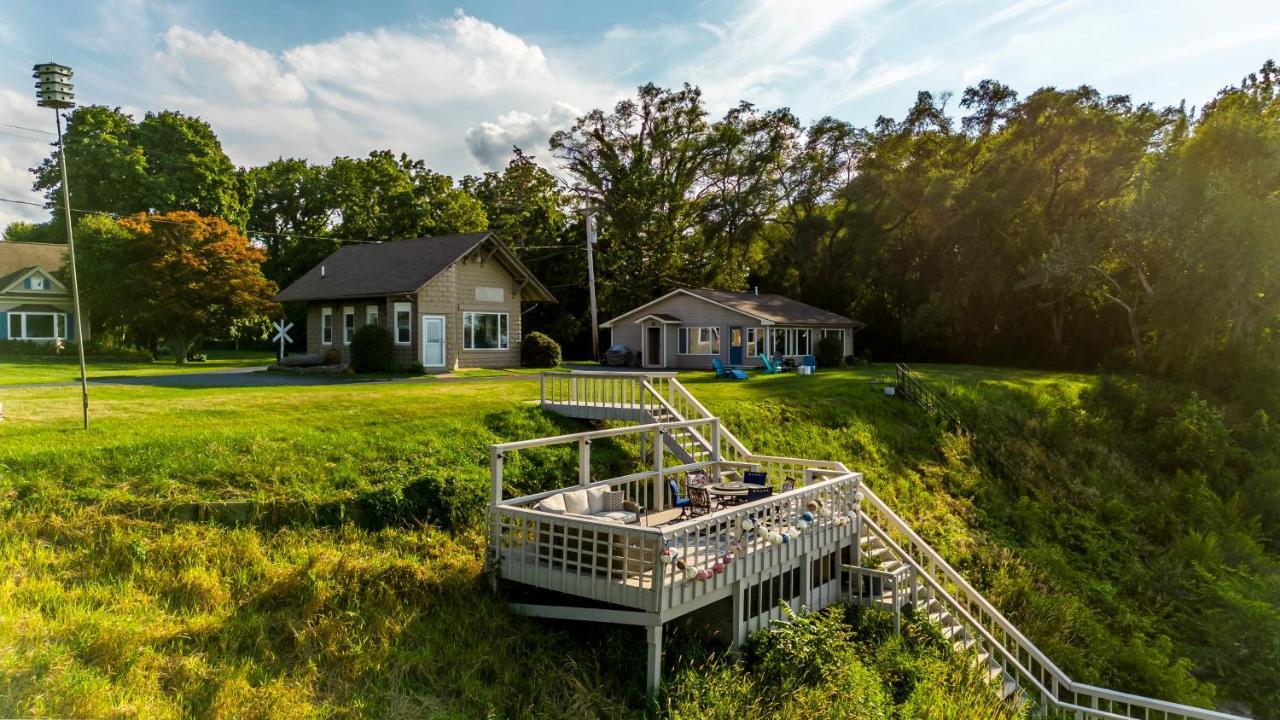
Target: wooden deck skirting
(640, 575)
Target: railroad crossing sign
(282, 326)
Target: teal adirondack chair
(770, 367)
(727, 373)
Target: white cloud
(20, 150)
(491, 142)
(246, 73)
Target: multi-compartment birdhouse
(53, 86)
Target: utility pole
(591, 283)
(53, 90)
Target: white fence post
(661, 490)
(584, 461)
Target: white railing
(1018, 658)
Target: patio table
(729, 491)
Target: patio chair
(678, 501)
(809, 362)
(754, 494)
(727, 373)
(755, 477)
(699, 501)
(788, 484)
(696, 478)
(770, 367)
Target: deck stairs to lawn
(893, 567)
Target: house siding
(693, 312)
(474, 273)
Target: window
(348, 324)
(484, 331)
(37, 282)
(753, 345)
(802, 342)
(37, 326)
(780, 342)
(699, 341)
(839, 334)
(404, 323)
(371, 315)
(326, 326)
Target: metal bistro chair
(788, 484)
(699, 501)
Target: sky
(459, 85)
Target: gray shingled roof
(775, 308)
(16, 258)
(402, 266)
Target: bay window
(699, 341)
(484, 331)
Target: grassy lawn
(25, 370)
(110, 609)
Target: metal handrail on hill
(912, 387)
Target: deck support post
(584, 461)
(657, 466)
(806, 584)
(653, 672)
(739, 626)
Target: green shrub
(539, 351)
(67, 349)
(830, 352)
(1195, 438)
(371, 349)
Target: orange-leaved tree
(179, 277)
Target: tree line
(1065, 228)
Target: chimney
(321, 271)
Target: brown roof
(16, 258)
(402, 266)
(774, 308)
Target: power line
(24, 127)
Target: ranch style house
(34, 305)
(449, 301)
(690, 327)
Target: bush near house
(539, 351)
(371, 349)
(830, 352)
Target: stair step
(1009, 689)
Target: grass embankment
(101, 612)
(17, 370)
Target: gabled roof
(19, 259)
(768, 308)
(402, 266)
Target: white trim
(444, 341)
(37, 269)
(326, 313)
(348, 311)
(59, 323)
(655, 318)
(684, 330)
(503, 322)
(644, 346)
(757, 318)
(396, 309)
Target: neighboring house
(34, 305)
(450, 301)
(688, 327)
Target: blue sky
(458, 85)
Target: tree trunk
(1135, 334)
(181, 346)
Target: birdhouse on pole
(53, 86)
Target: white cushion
(595, 499)
(621, 516)
(553, 504)
(576, 502)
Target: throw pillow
(576, 502)
(613, 500)
(595, 499)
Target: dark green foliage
(539, 351)
(830, 352)
(371, 349)
(26, 348)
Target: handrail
(662, 402)
(1062, 680)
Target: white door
(433, 341)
